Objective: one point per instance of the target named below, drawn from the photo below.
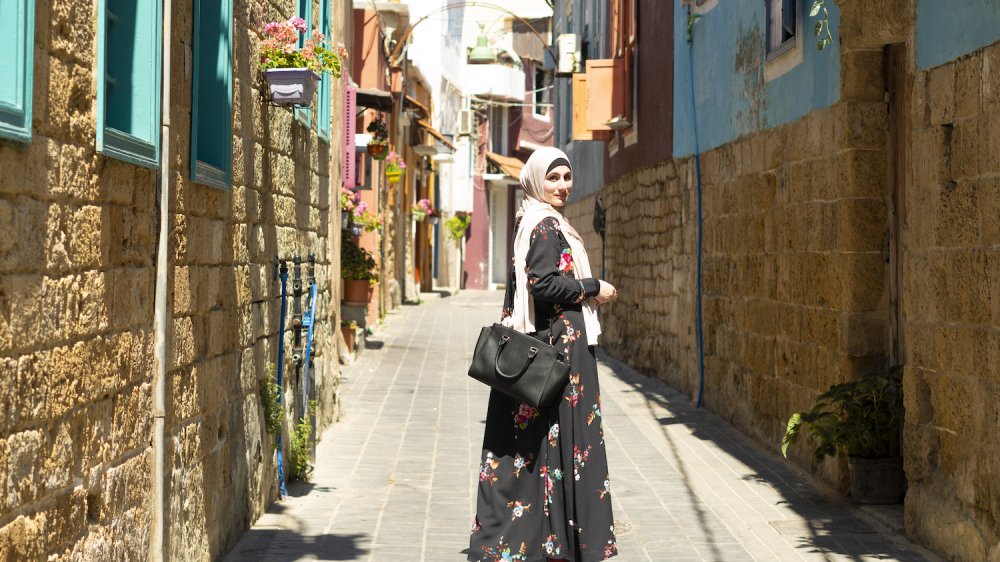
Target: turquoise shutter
(17, 42)
(128, 80)
(212, 94)
(323, 113)
(305, 10)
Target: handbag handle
(532, 352)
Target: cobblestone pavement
(395, 477)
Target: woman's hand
(607, 292)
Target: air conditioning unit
(567, 49)
(466, 122)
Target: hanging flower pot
(435, 219)
(345, 217)
(419, 215)
(378, 151)
(393, 175)
(357, 229)
(291, 86)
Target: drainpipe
(157, 542)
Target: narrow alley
(394, 479)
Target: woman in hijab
(544, 492)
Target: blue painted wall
(733, 99)
(949, 29)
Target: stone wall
(795, 294)
(77, 276)
(952, 306)
(77, 243)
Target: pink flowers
(280, 48)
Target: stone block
(23, 539)
(131, 236)
(967, 139)
(21, 302)
(132, 421)
(61, 461)
(183, 342)
(941, 94)
(66, 521)
(968, 86)
(863, 284)
(24, 469)
(957, 215)
(862, 75)
(860, 224)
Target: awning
(373, 98)
(434, 133)
(510, 165)
(412, 103)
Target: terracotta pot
(349, 335)
(378, 151)
(358, 292)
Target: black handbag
(520, 366)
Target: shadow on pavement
(263, 544)
(827, 525)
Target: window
(305, 9)
(128, 80)
(542, 93)
(212, 94)
(781, 25)
(17, 32)
(784, 48)
(323, 111)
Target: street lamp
(482, 53)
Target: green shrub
(274, 415)
(300, 446)
(457, 225)
(355, 263)
(859, 418)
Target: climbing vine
(822, 27)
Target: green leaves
(822, 27)
(274, 415)
(858, 418)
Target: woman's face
(558, 186)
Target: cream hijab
(533, 210)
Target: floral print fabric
(544, 490)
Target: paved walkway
(395, 478)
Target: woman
(544, 492)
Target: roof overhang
(373, 98)
(508, 164)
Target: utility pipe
(160, 316)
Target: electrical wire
(697, 166)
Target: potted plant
(435, 216)
(379, 145)
(457, 225)
(860, 419)
(349, 201)
(421, 209)
(349, 329)
(394, 167)
(357, 269)
(292, 73)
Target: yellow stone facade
(78, 246)
(800, 229)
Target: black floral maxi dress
(543, 481)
